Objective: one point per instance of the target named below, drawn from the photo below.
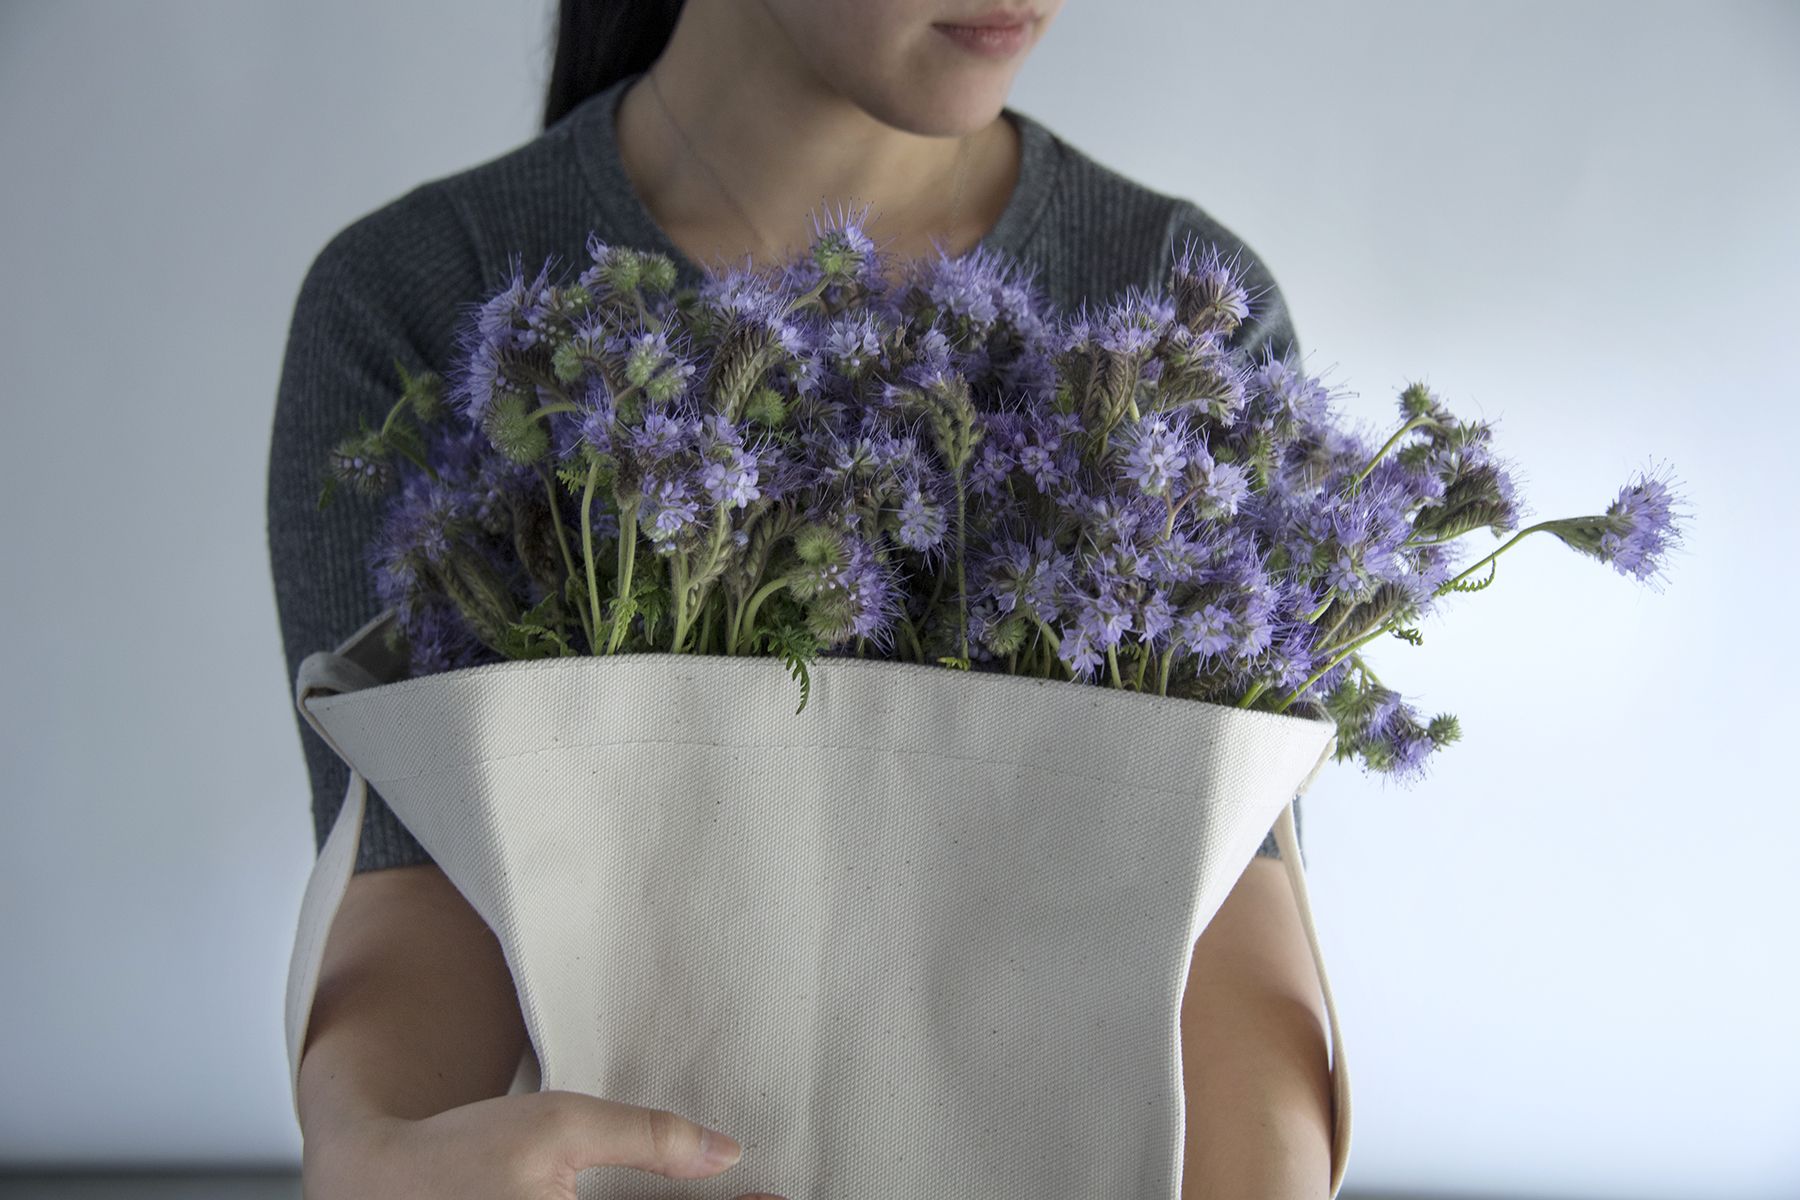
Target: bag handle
(326, 672)
(318, 907)
(1288, 839)
(323, 672)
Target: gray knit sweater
(392, 284)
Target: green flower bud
(766, 408)
(664, 387)
(659, 274)
(817, 544)
(423, 392)
(1417, 401)
(1008, 637)
(514, 430)
(568, 363)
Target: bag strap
(1288, 839)
(318, 908)
(324, 672)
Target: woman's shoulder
(466, 229)
(1103, 231)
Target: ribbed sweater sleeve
(385, 289)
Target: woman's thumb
(598, 1132)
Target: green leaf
(538, 633)
(796, 646)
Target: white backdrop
(1564, 963)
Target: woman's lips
(992, 41)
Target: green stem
(912, 636)
(562, 543)
(1336, 625)
(1055, 648)
(1256, 690)
(627, 556)
(1335, 659)
(1473, 567)
(1162, 683)
(747, 619)
(678, 582)
(587, 541)
(962, 583)
(1399, 433)
(392, 413)
(1112, 662)
(1320, 611)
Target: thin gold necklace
(956, 195)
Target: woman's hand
(526, 1146)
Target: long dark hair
(599, 42)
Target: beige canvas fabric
(930, 936)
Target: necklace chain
(955, 204)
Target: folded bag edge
(327, 672)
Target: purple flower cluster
(1635, 533)
(817, 461)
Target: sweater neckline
(595, 132)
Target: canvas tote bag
(928, 937)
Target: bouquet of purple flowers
(813, 462)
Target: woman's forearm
(415, 1011)
(1257, 1081)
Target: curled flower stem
(1473, 567)
(1485, 560)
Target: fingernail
(718, 1149)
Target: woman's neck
(785, 149)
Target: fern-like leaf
(1468, 585)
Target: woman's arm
(1255, 1051)
(415, 1012)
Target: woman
(709, 131)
